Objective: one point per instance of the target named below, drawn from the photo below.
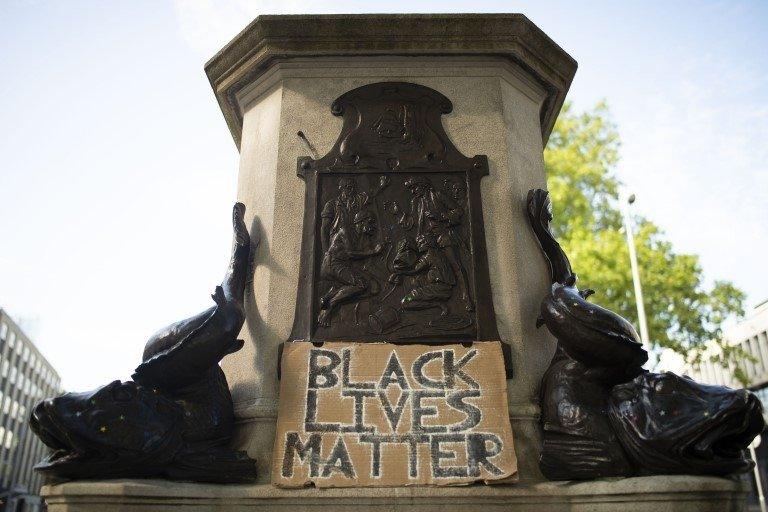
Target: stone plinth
(645, 494)
(507, 81)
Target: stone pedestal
(645, 494)
(507, 81)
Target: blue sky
(117, 170)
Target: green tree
(682, 312)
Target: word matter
(377, 414)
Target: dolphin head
(107, 431)
(672, 424)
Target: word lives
(376, 414)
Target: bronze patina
(175, 418)
(393, 247)
(603, 414)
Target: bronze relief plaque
(393, 247)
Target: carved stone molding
(275, 38)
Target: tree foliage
(683, 313)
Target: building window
(3, 331)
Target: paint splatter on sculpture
(175, 418)
(603, 415)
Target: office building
(25, 378)
(751, 335)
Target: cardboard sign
(377, 414)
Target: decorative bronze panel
(393, 247)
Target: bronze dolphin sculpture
(175, 418)
(604, 415)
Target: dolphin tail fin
(218, 296)
(238, 269)
(539, 215)
(242, 238)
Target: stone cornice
(271, 38)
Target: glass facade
(25, 378)
(751, 335)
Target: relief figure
(349, 284)
(435, 277)
(393, 242)
(434, 211)
(338, 212)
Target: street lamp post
(636, 274)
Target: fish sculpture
(175, 418)
(603, 415)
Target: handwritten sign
(377, 414)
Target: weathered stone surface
(644, 494)
(270, 39)
(496, 113)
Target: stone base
(651, 494)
